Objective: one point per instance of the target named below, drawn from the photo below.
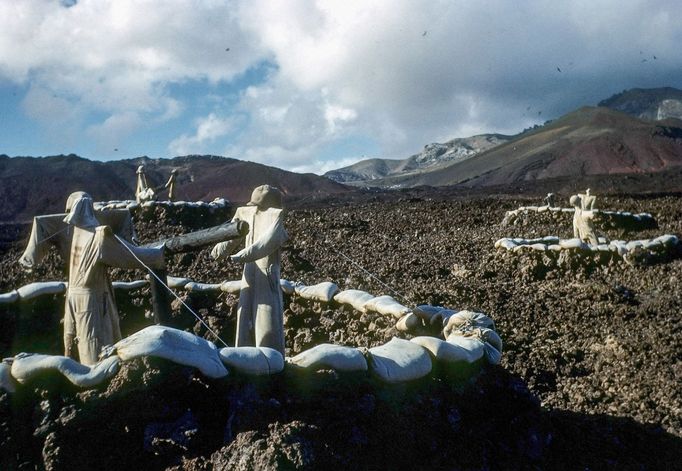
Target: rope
(55, 234)
(170, 290)
(387, 286)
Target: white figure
(143, 192)
(260, 319)
(583, 227)
(587, 200)
(90, 317)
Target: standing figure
(583, 227)
(550, 200)
(142, 190)
(170, 184)
(587, 200)
(91, 318)
(260, 314)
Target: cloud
(208, 130)
(395, 74)
(113, 131)
(415, 73)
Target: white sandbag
(354, 297)
(323, 292)
(28, 365)
(471, 349)
(174, 345)
(400, 360)
(619, 246)
(505, 243)
(386, 305)
(633, 244)
(6, 380)
(232, 287)
(668, 240)
(449, 352)
(572, 244)
(464, 320)
(539, 246)
(408, 322)
(195, 287)
(332, 357)
(176, 282)
(129, 285)
(434, 314)
(491, 342)
(33, 290)
(7, 298)
(252, 360)
(288, 287)
(554, 247)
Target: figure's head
(266, 196)
(575, 201)
(72, 199)
(587, 192)
(174, 171)
(140, 169)
(82, 211)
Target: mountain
(433, 156)
(40, 185)
(647, 103)
(588, 141)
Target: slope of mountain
(433, 156)
(647, 103)
(30, 185)
(589, 141)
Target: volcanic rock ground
(589, 378)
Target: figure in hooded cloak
(91, 319)
(260, 320)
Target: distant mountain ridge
(40, 185)
(635, 131)
(588, 141)
(652, 103)
(433, 156)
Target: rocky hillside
(30, 186)
(588, 141)
(587, 379)
(433, 156)
(652, 103)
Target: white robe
(90, 313)
(260, 320)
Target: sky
(311, 86)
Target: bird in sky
(424, 33)
(558, 69)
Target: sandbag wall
(468, 338)
(634, 252)
(563, 217)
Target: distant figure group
(143, 192)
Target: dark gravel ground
(589, 378)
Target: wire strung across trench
(170, 290)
